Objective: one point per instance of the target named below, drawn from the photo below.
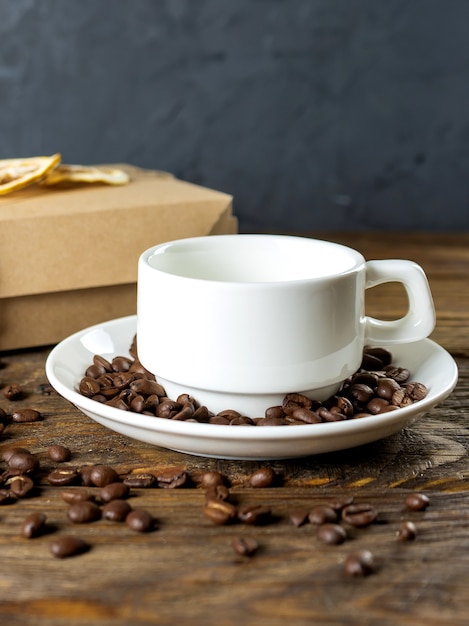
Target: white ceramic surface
(429, 363)
(259, 316)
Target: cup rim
(359, 260)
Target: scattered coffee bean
(85, 475)
(298, 518)
(171, 478)
(114, 491)
(23, 416)
(33, 525)
(340, 502)
(359, 515)
(67, 546)
(23, 462)
(6, 497)
(9, 451)
(332, 534)
(20, 486)
(84, 512)
(12, 392)
(140, 521)
(211, 479)
(245, 546)
(407, 531)
(322, 515)
(254, 514)
(63, 476)
(360, 563)
(140, 480)
(75, 495)
(219, 511)
(116, 510)
(102, 475)
(218, 492)
(59, 454)
(417, 501)
(263, 477)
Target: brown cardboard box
(68, 257)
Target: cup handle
(419, 321)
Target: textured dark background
(314, 114)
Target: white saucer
(428, 362)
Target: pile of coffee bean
(377, 387)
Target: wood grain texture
(186, 572)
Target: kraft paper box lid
(92, 235)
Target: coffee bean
(84, 512)
(141, 480)
(23, 462)
(359, 515)
(306, 416)
(263, 477)
(254, 514)
(67, 546)
(84, 473)
(121, 364)
(407, 531)
(75, 495)
(23, 416)
(360, 563)
(202, 415)
(102, 475)
(245, 546)
(12, 392)
(273, 421)
(417, 501)
(116, 510)
(62, 476)
(59, 453)
(219, 511)
(382, 354)
(361, 393)
(276, 412)
(140, 521)
(340, 502)
(33, 525)
(217, 492)
(332, 534)
(171, 477)
(114, 491)
(211, 479)
(89, 387)
(102, 363)
(416, 391)
(322, 515)
(20, 486)
(9, 451)
(6, 497)
(298, 518)
(386, 387)
(399, 374)
(377, 405)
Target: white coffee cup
(239, 321)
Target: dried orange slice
(19, 173)
(85, 174)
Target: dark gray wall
(314, 114)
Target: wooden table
(186, 572)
